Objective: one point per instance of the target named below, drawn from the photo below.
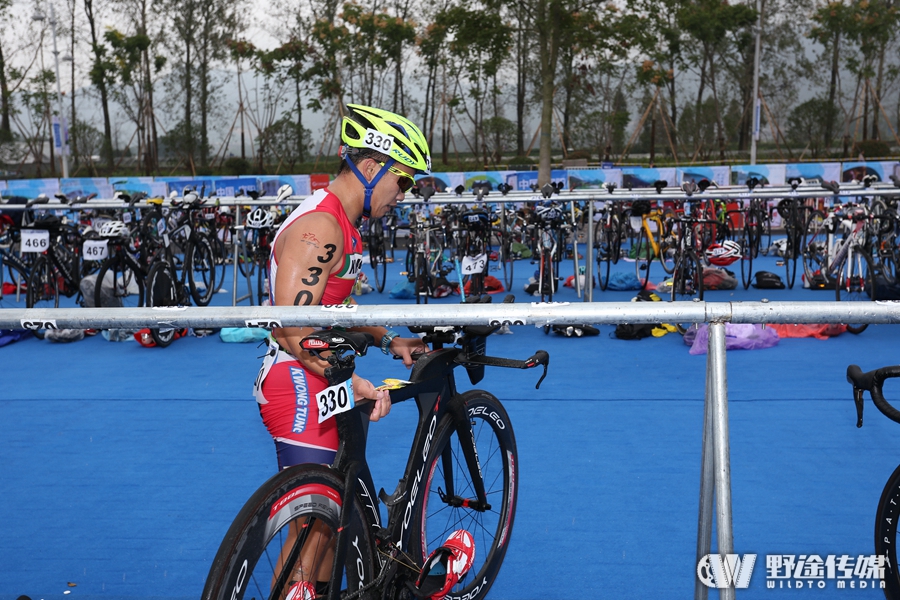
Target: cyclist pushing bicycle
(316, 259)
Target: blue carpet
(122, 467)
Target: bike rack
(715, 479)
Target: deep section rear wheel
(288, 526)
(447, 484)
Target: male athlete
(316, 258)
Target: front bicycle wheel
(161, 291)
(886, 533)
(792, 252)
(747, 253)
(448, 486)
(119, 284)
(815, 246)
(377, 255)
(285, 533)
(856, 282)
(201, 270)
(42, 288)
(642, 259)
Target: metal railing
(715, 481)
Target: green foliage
(499, 135)
(870, 149)
(237, 166)
(808, 125)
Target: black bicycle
(462, 473)
(888, 512)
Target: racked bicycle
(462, 473)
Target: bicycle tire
(498, 460)
(377, 256)
(687, 282)
(747, 254)
(16, 276)
(126, 287)
(605, 252)
(886, 533)
(422, 280)
(262, 280)
(642, 258)
(150, 242)
(791, 250)
(42, 289)
(250, 557)
(200, 264)
(161, 291)
(851, 285)
(509, 265)
(814, 248)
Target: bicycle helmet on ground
(368, 129)
(259, 218)
(724, 254)
(112, 229)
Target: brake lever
(858, 400)
(541, 357)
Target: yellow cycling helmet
(365, 127)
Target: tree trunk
(548, 40)
(5, 130)
(188, 98)
(832, 89)
(101, 85)
(521, 89)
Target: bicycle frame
(439, 384)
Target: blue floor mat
(124, 466)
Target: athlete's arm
(307, 253)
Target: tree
(713, 25)
(101, 74)
(478, 42)
(133, 91)
(809, 124)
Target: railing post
(707, 476)
(719, 388)
(589, 256)
(576, 281)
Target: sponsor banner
(721, 176)
(641, 177)
(495, 178)
(32, 188)
(526, 179)
(442, 182)
(855, 171)
(593, 179)
(268, 184)
(230, 187)
(150, 186)
(83, 186)
(767, 174)
(814, 172)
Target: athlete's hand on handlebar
(364, 390)
(404, 348)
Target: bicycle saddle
(338, 341)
